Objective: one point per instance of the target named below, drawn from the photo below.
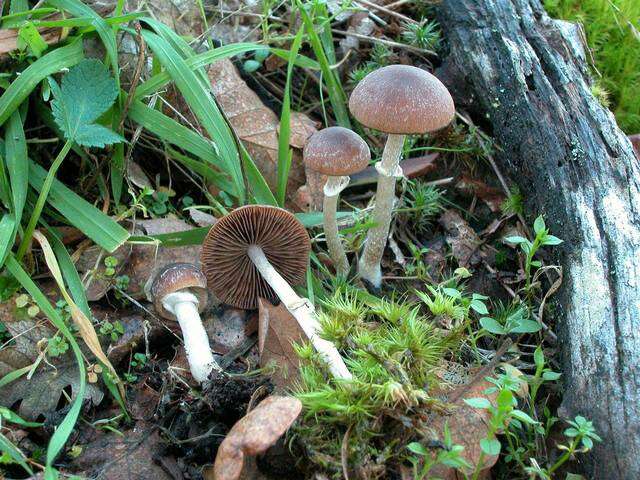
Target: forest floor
(188, 110)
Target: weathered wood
(524, 77)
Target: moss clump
(395, 353)
(613, 33)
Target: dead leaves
(256, 125)
(463, 240)
(277, 331)
(40, 394)
(254, 434)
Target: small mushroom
(398, 100)
(253, 434)
(260, 251)
(179, 293)
(337, 152)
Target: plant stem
(566, 456)
(332, 190)
(369, 265)
(302, 311)
(42, 198)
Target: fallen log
(525, 78)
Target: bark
(525, 78)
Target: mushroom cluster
(260, 251)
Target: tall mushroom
(336, 152)
(179, 293)
(260, 251)
(398, 100)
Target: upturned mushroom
(179, 293)
(398, 100)
(336, 152)
(260, 251)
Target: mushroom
(337, 152)
(398, 100)
(179, 293)
(260, 251)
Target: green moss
(613, 33)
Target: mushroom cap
(175, 277)
(336, 151)
(231, 274)
(403, 100)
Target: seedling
(447, 454)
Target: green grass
(613, 33)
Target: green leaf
(81, 214)
(49, 64)
(515, 239)
(551, 376)
(12, 417)
(7, 227)
(526, 326)
(418, 449)
(523, 417)
(479, 307)
(17, 163)
(87, 92)
(490, 446)
(492, 326)
(202, 104)
(284, 151)
(538, 225)
(538, 357)
(478, 402)
(29, 36)
(16, 455)
(551, 240)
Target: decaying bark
(525, 78)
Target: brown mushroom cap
(401, 99)
(231, 274)
(173, 278)
(336, 151)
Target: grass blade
(63, 431)
(7, 229)
(205, 171)
(255, 180)
(203, 106)
(284, 151)
(337, 96)
(46, 65)
(16, 455)
(81, 214)
(17, 163)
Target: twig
(137, 73)
(382, 41)
(387, 11)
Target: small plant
(447, 454)
(424, 34)
(542, 238)
(421, 204)
(112, 330)
(514, 203)
(139, 360)
(514, 318)
(110, 264)
(57, 346)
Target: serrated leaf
(86, 92)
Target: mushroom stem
(332, 190)
(302, 311)
(184, 305)
(388, 170)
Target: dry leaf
(82, 323)
(462, 239)
(493, 197)
(254, 434)
(256, 125)
(91, 268)
(40, 394)
(277, 331)
(467, 425)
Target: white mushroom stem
(332, 190)
(184, 305)
(388, 171)
(302, 311)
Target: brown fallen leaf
(492, 197)
(256, 125)
(124, 457)
(467, 425)
(462, 239)
(226, 329)
(91, 268)
(277, 331)
(253, 434)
